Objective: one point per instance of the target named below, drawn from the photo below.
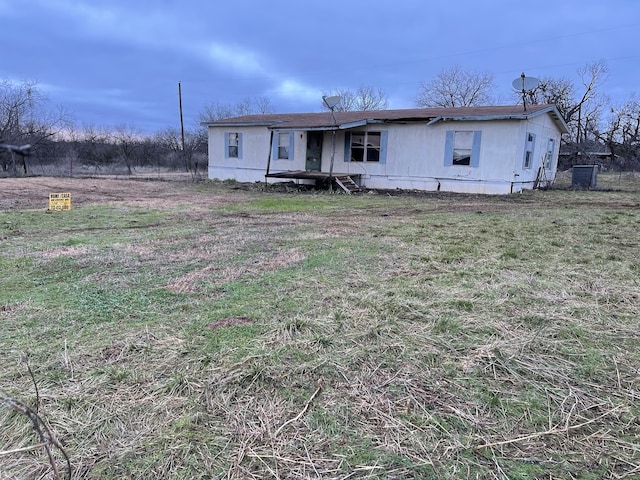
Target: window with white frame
(283, 145)
(232, 144)
(462, 145)
(528, 150)
(365, 146)
(462, 148)
(551, 146)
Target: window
(462, 143)
(551, 146)
(283, 145)
(366, 146)
(233, 145)
(462, 148)
(528, 150)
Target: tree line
(35, 139)
(57, 147)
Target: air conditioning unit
(584, 176)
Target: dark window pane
(461, 157)
(373, 154)
(357, 154)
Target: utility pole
(184, 153)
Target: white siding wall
(415, 157)
(544, 129)
(295, 162)
(252, 165)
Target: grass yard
(180, 330)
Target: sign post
(59, 201)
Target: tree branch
(302, 412)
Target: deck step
(347, 184)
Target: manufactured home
(493, 150)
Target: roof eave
(291, 128)
(326, 128)
(552, 111)
(238, 124)
(357, 123)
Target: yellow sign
(59, 201)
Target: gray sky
(118, 62)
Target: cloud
(154, 29)
(292, 89)
(106, 98)
(236, 58)
(112, 22)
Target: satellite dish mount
(525, 85)
(331, 103)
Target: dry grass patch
(251, 268)
(327, 336)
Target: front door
(314, 151)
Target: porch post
(333, 154)
(266, 175)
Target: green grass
(444, 336)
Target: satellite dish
(331, 102)
(525, 84)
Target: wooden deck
(309, 175)
(348, 183)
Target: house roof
(345, 120)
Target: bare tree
(244, 107)
(248, 106)
(26, 119)
(94, 146)
(364, 98)
(127, 139)
(556, 91)
(590, 104)
(16, 101)
(216, 111)
(263, 105)
(622, 133)
(455, 87)
(170, 141)
(581, 111)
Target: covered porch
(282, 143)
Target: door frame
(313, 158)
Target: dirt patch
(63, 252)
(33, 192)
(12, 309)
